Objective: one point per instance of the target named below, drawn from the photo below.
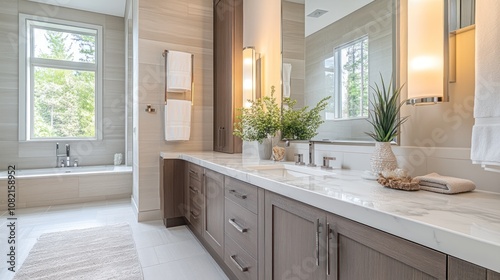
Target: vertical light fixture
(427, 56)
(250, 76)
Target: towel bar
(165, 55)
(490, 168)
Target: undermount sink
(289, 170)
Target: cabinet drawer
(239, 261)
(241, 226)
(194, 187)
(195, 172)
(242, 193)
(195, 217)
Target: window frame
(27, 64)
(338, 79)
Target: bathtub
(58, 171)
(66, 185)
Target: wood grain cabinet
(213, 225)
(459, 269)
(194, 197)
(172, 200)
(356, 251)
(303, 242)
(228, 86)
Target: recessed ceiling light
(317, 13)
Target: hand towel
(485, 148)
(178, 71)
(287, 74)
(443, 184)
(177, 120)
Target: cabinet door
(294, 232)
(356, 251)
(459, 269)
(228, 46)
(172, 191)
(213, 226)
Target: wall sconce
(251, 75)
(427, 52)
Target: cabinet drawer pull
(193, 172)
(237, 227)
(241, 268)
(193, 189)
(237, 194)
(328, 232)
(318, 225)
(194, 215)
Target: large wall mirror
(338, 48)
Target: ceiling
(108, 7)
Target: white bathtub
(66, 185)
(56, 171)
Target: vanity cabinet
(304, 242)
(295, 239)
(172, 196)
(459, 269)
(194, 202)
(213, 222)
(228, 86)
(356, 251)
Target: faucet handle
(299, 160)
(326, 162)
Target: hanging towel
(485, 148)
(287, 75)
(443, 184)
(178, 71)
(177, 120)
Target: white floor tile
(171, 253)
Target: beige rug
(95, 253)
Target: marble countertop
(466, 225)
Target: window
(60, 80)
(350, 79)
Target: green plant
(384, 115)
(301, 124)
(261, 120)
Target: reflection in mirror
(338, 49)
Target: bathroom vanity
(267, 220)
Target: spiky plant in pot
(386, 122)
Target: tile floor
(172, 253)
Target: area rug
(95, 253)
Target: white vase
(265, 148)
(383, 158)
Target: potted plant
(301, 124)
(386, 122)
(259, 122)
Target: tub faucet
(311, 154)
(60, 163)
(67, 155)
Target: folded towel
(178, 71)
(287, 73)
(443, 184)
(177, 120)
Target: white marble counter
(466, 225)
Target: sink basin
(288, 170)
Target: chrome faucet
(67, 155)
(311, 154)
(59, 163)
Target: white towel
(177, 120)
(287, 75)
(178, 71)
(443, 184)
(486, 131)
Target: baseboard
(174, 222)
(152, 215)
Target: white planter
(265, 148)
(383, 158)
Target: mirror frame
(396, 70)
